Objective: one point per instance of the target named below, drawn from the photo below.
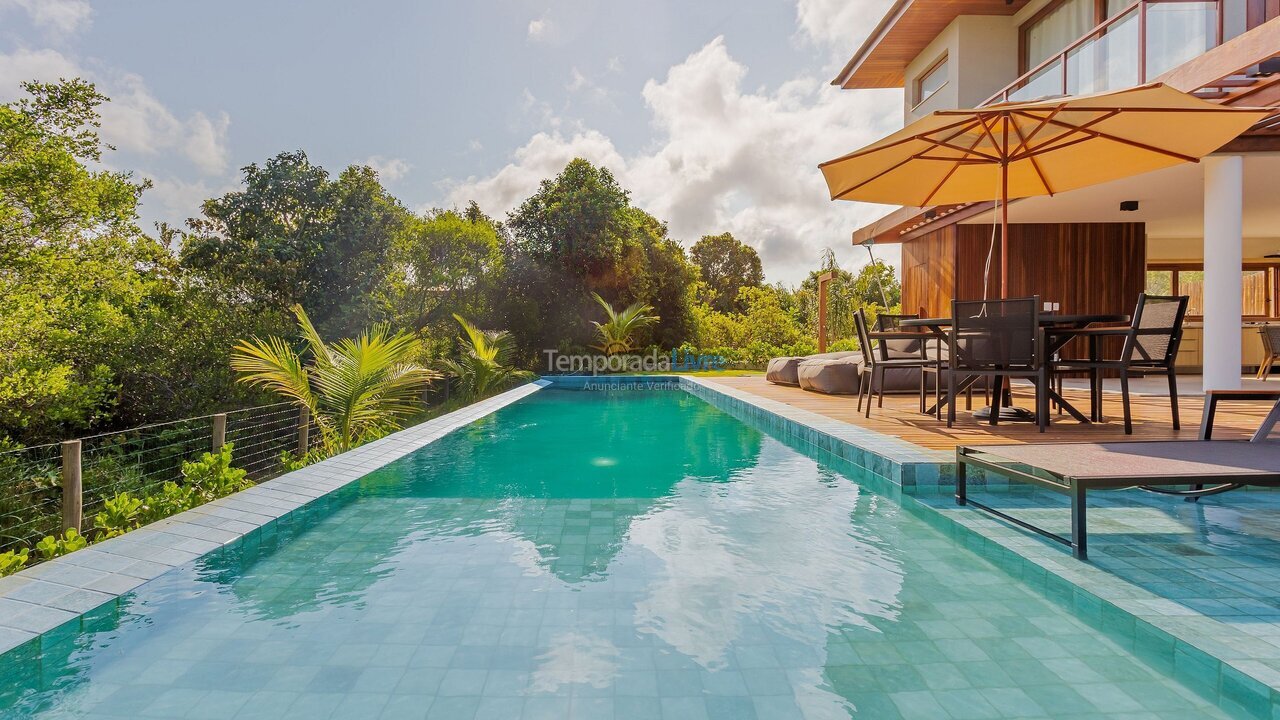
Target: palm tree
(484, 363)
(617, 333)
(357, 389)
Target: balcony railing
(1140, 42)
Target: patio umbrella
(1016, 150)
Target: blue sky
(713, 113)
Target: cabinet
(1191, 351)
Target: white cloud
(64, 17)
(135, 120)
(839, 24)
(388, 169)
(723, 159)
(539, 28)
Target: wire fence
(139, 461)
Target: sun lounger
(1073, 469)
(1076, 468)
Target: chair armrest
(1101, 332)
(900, 336)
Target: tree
(574, 220)
(445, 263)
(484, 361)
(357, 389)
(726, 266)
(617, 334)
(577, 235)
(74, 270)
(293, 236)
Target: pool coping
(44, 597)
(1197, 649)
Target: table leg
(1206, 420)
(1267, 424)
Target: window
(1056, 27)
(1258, 287)
(931, 80)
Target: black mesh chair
(878, 357)
(901, 348)
(998, 339)
(1150, 346)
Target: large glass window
(1258, 287)
(1051, 32)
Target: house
(1209, 230)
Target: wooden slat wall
(1086, 267)
(928, 272)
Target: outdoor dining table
(1055, 341)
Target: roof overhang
(903, 33)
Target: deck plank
(900, 417)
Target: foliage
(171, 500)
(293, 236)
(53, 546)
(577, 235)
(617, 334)
(290, 461)
(445, 263)
(119, 515)
(357, 389)
(212, 476)
(726, 265)
(483, 364)
(13, 560)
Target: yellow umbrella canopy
(1036, 148)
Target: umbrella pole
(1004, 230)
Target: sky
(714, 114)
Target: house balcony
(1136, 45)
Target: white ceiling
(1171, 201)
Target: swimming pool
(623, 554)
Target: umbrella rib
(995, 144)
(1123, 141)
(947, 177)
(1035, 165)
(1074, 129)
(895, 143)
(1044, 122)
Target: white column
(1223, 258)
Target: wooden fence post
(219, 432)
(304, 430)
(72, 486)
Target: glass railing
(1135, 45)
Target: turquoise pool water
(624, 554)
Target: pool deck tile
(51, 594)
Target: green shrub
(212, 476)
(291, 461)
(119, 515)
(53, 546)
(13, 560)
(171, 500)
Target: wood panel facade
(1085, 267)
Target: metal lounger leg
(1079, 529)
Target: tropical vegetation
(356, 389)
(105, 324)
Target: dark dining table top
(1046, 319)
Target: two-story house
(1209, 230)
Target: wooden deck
(900, 417)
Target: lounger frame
(1076, 488)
